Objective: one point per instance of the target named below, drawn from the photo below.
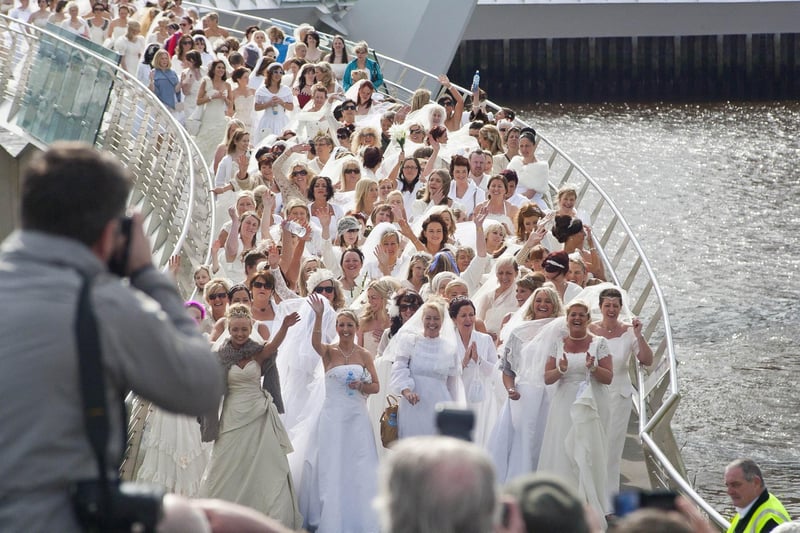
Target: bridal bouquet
(398, 134)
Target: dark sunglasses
(447, 102)
(352, 171)
(368, 135)
(261, 285)
(213, 297)
(223, 50)
(320, 290)
(349, 107)
(342, 136)
(299, 173)
(408, 307)
(415, 131)
(277, 71)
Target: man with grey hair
(757, 511)
(436, 485)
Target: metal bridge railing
(54, 89)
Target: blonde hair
(555, 299)
(384, 286)
(348, 313)
(214, 283)
(420, 98)
(238, 311)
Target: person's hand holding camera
(139, 256)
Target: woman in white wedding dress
(340, 469)
(426, 370)
(248, 462)
(624, 340)
(516, 440)
(191, 76)
(478, 356)
(575, 443)
(244, 98)
(274, 100)
(213, 95)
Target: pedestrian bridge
(52, 87)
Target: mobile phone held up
(118, 263)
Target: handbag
(389, 421)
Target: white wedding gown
(575, 445)
(248, 462)
(340, 470)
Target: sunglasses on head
(213, 297)
(299, 173)
(261, 285)
(320, 290)
(348, 107)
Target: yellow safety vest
(770, 509)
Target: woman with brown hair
(214, 98)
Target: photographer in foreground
(72, 203)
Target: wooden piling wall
(598, 69)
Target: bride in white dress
(244, 98)
(340, 471)
(426, 370)
(214, 96)
(248, 462)
(516, 440)
(575, 444)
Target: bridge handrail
(171, 181)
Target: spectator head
(548, 504)
(74, 191)
(436, 485)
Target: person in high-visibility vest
(757, 511)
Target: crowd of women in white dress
(364, 248)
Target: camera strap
(92, 380)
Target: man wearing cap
(757, 511)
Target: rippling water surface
(713, 194)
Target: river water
(713, 194)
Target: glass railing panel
(64, 87)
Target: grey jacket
(149, 345)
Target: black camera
(126, 506)
(118, 264)
(630, 500)
(455, 422)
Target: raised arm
(405, 228)
(318, 306)
(270, 348)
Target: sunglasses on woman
(261, 285)
(299, 173)
(349, 107)
(320, 290)
(213, 297)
